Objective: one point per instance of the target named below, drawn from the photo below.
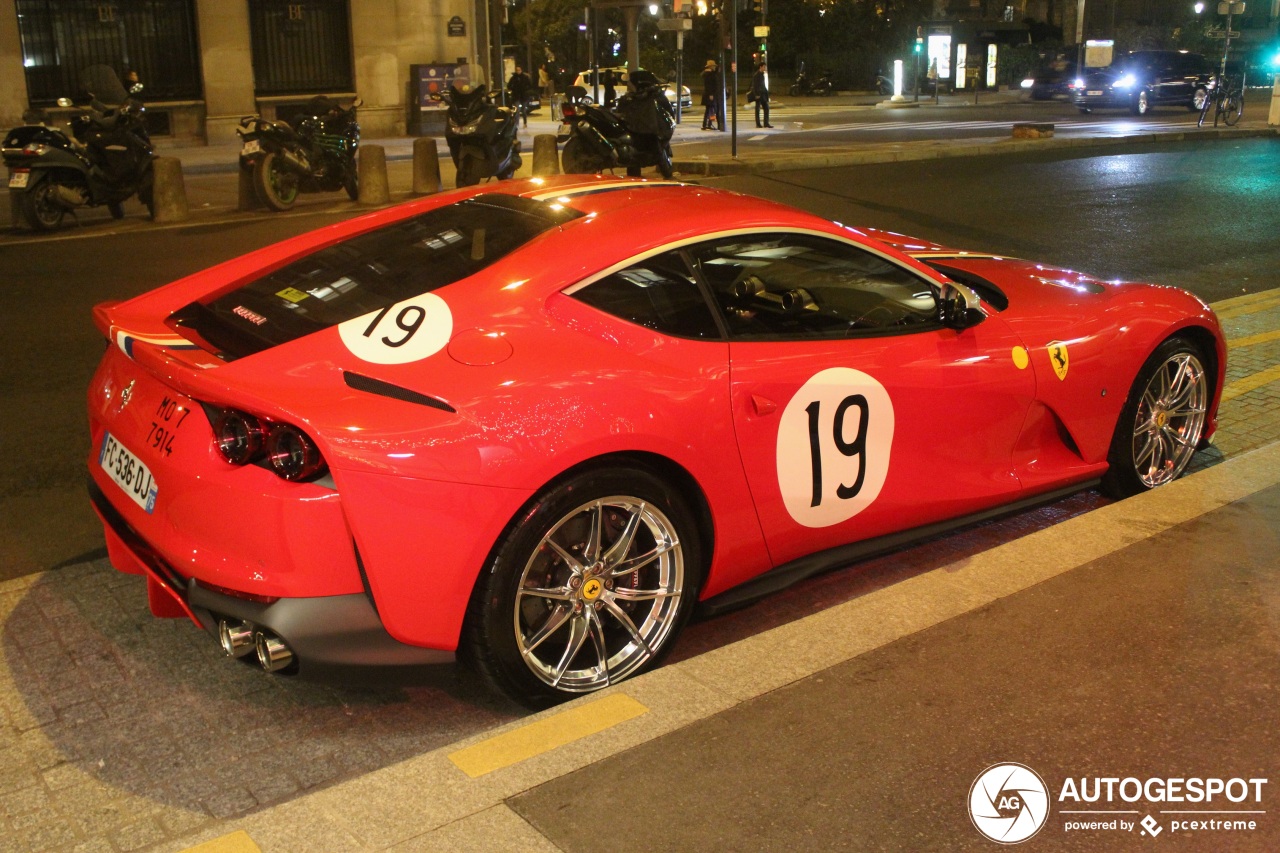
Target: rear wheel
(1232, 109)
(351, 183)
(576, 160)
(1162, 422)
(116, 209)
(590, 587)
(1197, 100)
(276, 187)
(40, 207)
(664, 161)
(1142, 103)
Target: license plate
(18, 179)
(1094, 92)
(251, 146)
(128, 472)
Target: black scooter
(109, 159)
(804, 85)
(318, 156)
(635, 134)
(481, 135)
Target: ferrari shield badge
(1058, 358)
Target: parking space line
(546, 734)
(1253, 303)
(1253, 340)
(236, 842)
(1250, 383)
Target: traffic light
(757, 6)
(1273, 61)
(918, 47)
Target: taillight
(289, 452)
(292, 454)
(568, 110)
(240, 436)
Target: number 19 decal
(833, 446)
(398, 334)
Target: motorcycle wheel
(40, 209)
(664, 162)
(351, 183)
(575, 160)
(276, 188)
(470, 170)
(793, 91)
(147, 190)
(116, 209)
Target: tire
(39, 208)
(351, 183)
(664, 162)
(276, 188)
(576, 160)
(1198, 98)
(1141, 103)
(1232, 109)
(1162, 422)
(470, 170)
(633, 171)
(794, 91)
(556, 612)
(116, 209)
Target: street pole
(679, 75)
(733, 47)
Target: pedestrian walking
(760, 94)
(547, 84)
(518, 88)
(711, 90)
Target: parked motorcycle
(805, 85)
(315, 154)
(635, 134)
(480, 134)
(108, 160)
(884, 85)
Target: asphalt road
(1199, 215)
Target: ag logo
(1058, 358)
(1008, 803)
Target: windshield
(366, 273)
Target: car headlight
(1126, 82)
(1028, 83)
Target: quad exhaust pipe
(241, 638)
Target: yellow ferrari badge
(1058, 358)
(591, 589)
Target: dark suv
(1144, 79)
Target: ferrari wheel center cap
(591, 589)
(1161, 418)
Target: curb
(721, 166)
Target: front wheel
(276, 187)
(1142, 103)
(1162, 422)
(470, 169)
(664, 161)
(794, 90)
(589, 586)
(1198, 99)
(116, 209)
(351, 183)
(40, 207)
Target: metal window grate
(156, 38)
(300, 48)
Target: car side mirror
(959, 307)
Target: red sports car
(532, 424)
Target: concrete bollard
(1032, 130)
(1273, 115)
(426, 166)
(546, 161)
(372, 171)
(248, 199)
(169, 194)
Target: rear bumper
(322, 632)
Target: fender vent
(370, 385)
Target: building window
(300, 47)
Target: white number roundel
(833, 446)
(398, 334)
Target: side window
(797, 286)
(659, 293)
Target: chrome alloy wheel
(1170, 419)
(600, 594)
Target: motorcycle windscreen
(103, 83)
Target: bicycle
(1225, 95)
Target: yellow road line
(546, 734)
(1232, 308)
(1248, 298)
(237, 842)
(1249, 383)
(1252, 340)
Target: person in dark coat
(610, 88)
(519, 87)
(760, 94)
(711, 91)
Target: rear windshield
(367, 273)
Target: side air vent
(370, 385)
